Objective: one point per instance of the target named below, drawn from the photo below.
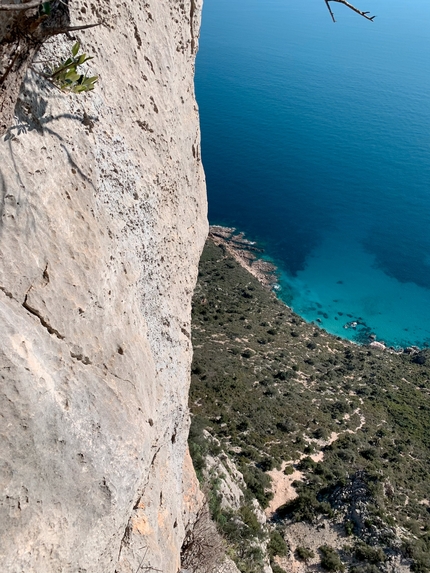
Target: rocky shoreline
(249, 256)
(246, 253)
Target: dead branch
(351, 7)
(13, 58)
(24, 6)
(27, 32)
(203, 550)
(56, 31)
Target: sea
(316, 144)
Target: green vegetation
(330, 560)
(277, 545)
(66, 76)
(271, 389)
(304, 553)
(368, 554)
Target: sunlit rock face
(103, 218)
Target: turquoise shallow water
(316, 143)
(336, 293)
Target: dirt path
(282, 488)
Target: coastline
(246, 254)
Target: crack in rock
(6, 292)
(79, 356)
(43, 321)
(193, 37)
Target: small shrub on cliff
(277, 545)
(364, 552)
(304, 554)
(330, 560)
(251, 522)
(203, 549)
(258, 483)
(198, 445)
(66, 76)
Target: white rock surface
(231, 482)
(378, 345)
(103, 218)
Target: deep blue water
(316, 144)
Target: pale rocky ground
(282, 484)
(103, 218)
(323, 533)
(231, 480)
(305, 535)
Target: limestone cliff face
(103, 218)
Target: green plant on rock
(330, 560)
(259, 484)
(276, 568)
(349, 528)
(66, 76)
(304, 553)
(368, 554)
(252, 525)
(277, 545)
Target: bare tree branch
(56, 31)
(351, 7)
(330, 10)
(10, 66)
(25, 6)
(203, 549)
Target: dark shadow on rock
(2, 197)
(13, 205)
(59, 16)
(31, 109)
(31, 113)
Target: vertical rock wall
(103, 218)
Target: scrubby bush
(349, 528)
(330, 560)
(266, 464)
(305, 507)
(320, 434)
(277, 545)
(203, 549)
(364, 552)
(259, 484)
(197, 444)
(287, 426)
(276, 568)
(304, 554)
(306, 463)
(251, 522)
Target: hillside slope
(332, 439)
